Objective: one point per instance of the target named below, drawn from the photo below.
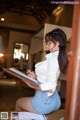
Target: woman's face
(52, 46)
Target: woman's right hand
(31, 74)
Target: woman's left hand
(32, 86)
(49, 90)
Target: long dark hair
(58, 35)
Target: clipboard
(16, 73)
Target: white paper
(26, 116)
(23, 75)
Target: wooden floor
(56, 115)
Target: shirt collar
(56, 53)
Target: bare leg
(24, 104)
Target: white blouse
(48, 72)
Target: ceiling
(26, 15)
(40, 9)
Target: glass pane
(20, 55)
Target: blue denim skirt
(44, 104)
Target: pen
(29, 71)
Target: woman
(46, 98)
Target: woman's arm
(34, 87)
(33, 75)
(37, 87)
(51, 76)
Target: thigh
(25, 104)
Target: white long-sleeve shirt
(48, 72)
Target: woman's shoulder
(37, 63)
(52, 59)
(40, 63)
(53, 55)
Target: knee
(17, 104)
